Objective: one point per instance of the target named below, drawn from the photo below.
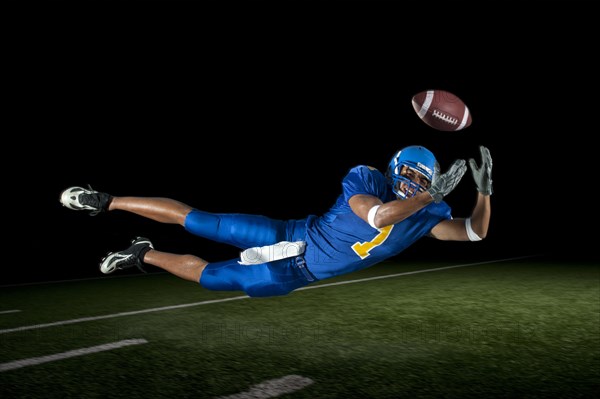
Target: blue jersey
(340, 242)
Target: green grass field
(512, 329)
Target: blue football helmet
(412, 170)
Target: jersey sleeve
(363, 180)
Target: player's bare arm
(456, 229)
(475, 227)
(389, 213)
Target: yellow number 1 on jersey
(363, 249)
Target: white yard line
(273, 388)
(110, 316)
(187, 305)
(9, 311)
(17, 364)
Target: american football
(442, 110)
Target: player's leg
(187, 267)
(262, 280)
(141, 250)
(164, 210)
(241, 230)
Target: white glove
(483, 175)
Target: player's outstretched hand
(447, 181)
(483, 175)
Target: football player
(376, 216)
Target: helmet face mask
(412, 170)
(409, 182)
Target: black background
(263, 107)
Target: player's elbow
(481, 231)
(377, 224)
(475, 231)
